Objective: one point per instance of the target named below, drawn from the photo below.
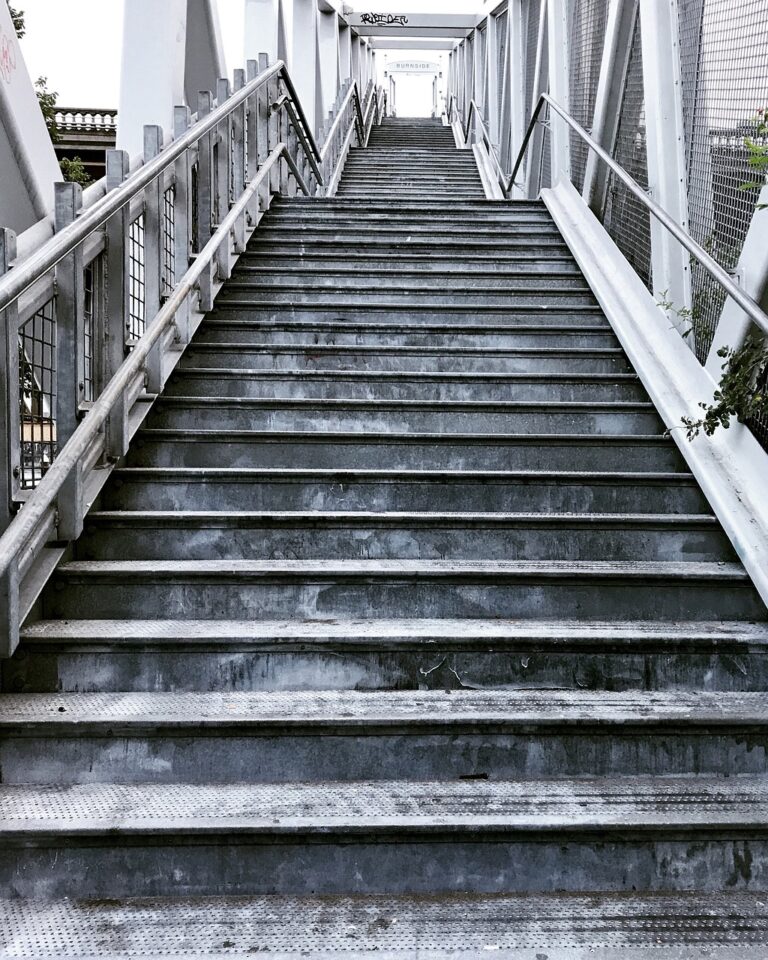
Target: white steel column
(261, 31)
(204, 61)
(304, 57)
(666, 149)
(619, 30)
(513, 106)
(328, 57)
(345, 51)
(152, 70)
(540, 85)
(560, 138)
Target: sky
(76, 45)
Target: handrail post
(182, 220)
(239, 181)
(204, 174)
(117, 302)
(253, 146)
(262, 122)
(273, 132)
(154, 197)
(9, 389)
(223, 177)
(70, 357)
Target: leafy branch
(758, 154)
(742, 392)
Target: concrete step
(363, 194)
(267, 259)
(405, 334)
(533, 836)
(406, 736)
(224, 488)
(511, 316)
(279, 356)
(494, 655)
(311, 535)
(405, 416)
(421, 282)
(353, 451)
(276, 589)
(334, 205)
(401, 295)
(446, 272)
(373, 385)
(511, 246)
(730, 926)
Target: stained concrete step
(267, 258)
(511, 316)
(403, 296)
(287, 356)
(275, 589)
(224, 488)
(404, 416)
(360, 332)
(416, 281)
(462, 275)
(511, 246)
(269, 534)
(686, 926)
(353, 451)
(309, 737)
(510, 209)
(110, 840)
(388, 385)
(363, 194)
(222, 655)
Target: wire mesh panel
(137, 318)
(481, 72)
(724, 67)
(759, 425)
(168, 277)
(532, 18)
(626, 219)
(37, 395)
(586, 39)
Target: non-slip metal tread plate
(655, 805)
(427, 631)
(54, 712)
(556, 927)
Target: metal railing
(113, 298)
(508, 183)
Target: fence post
(117, 303)
(154, 220)
(10, 453)
(182, 218)
(204, 174)
(70, 357)
(262, 122)
(224, 160)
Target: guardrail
(96, 317)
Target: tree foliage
(18, 21)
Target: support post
(10, 452)
(117, 303)
(154, 215)
(540, 85)
(559, 137)
(70, 357)
(666, 150)
(182, 219)
(204, 174)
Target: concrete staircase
(403, 630)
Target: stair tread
(563, 806)
(332, 567)
(684, 926)
(83, 713)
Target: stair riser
(348, 493)
(229, 864)
(259, 386)
(390, 454)
(409, 337)
(498, 236)
(379, 266)
(281, 597)
(244, 540)
(356, 420)
(195, 756)
(283, 666)
(247, 358)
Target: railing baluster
(262, 122)
(117, 303)
(224, 161)
(70, 358)
(182, 215)
(154, 202)
(204, 174)
(239, 159)
(273, 92)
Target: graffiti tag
(7, 58)
(385, 19)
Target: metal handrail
(713, 268)
(492, 150)
(352, 94)
(14, 283)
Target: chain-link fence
(586, 39)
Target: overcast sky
(77, 44)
